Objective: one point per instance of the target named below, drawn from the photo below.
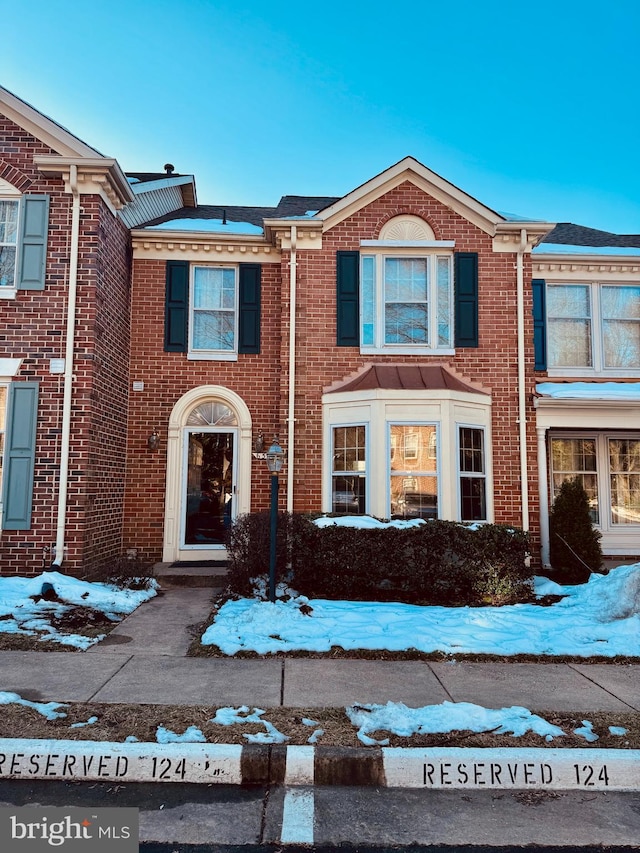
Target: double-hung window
(214, 311)
(9, 209)
(593, 328)
(473, 476)
(406, 302)
(349, 470)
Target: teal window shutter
(466, 299)
(249, 299)
(348, 299)
(539, 290)
(19, 457)
(32, 245)
(176, 315)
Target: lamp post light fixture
(275, 457)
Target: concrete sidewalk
(144, 661)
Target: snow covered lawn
(600, 618)
(24, 610)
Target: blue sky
(531, 108)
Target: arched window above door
(212, 413)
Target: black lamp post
(275, 455)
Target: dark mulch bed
(115, 722)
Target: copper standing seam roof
(405, 377)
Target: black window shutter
(249, 299)
(538, 288)
(176, 314)
(466, 298)
(348, 299)
(22, 416)
(32, 246)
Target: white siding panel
(150, 205)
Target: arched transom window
(212, 413)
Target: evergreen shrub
(439, 562)
(575, 549)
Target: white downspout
(522, 402)
(65, 441)
(291, 420)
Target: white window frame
(197, 354)
(3, 444)
(8, 291)
(597, 367)
(360, 474)
(378, 252)
(602, 472)
(472, 474)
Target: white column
(543, 495)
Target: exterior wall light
(153, 441)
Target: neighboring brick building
(392, 339)
(63, 369)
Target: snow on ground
(601, 617)
(21, 613)
(449, 716)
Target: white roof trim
(160, 184)
(409, 169)
(43, 128)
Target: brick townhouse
(417, 353)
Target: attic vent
(169, 168)
(406, 228)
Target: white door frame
(172, 551)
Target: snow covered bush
(575, 544)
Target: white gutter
(522, 402)
(291, 420)
(68, 367)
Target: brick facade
(263, 380)
(33, 328)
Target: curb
(442, 768)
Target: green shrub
(439, 562)
(575, 549)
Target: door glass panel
(209, 487)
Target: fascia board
(187, 183)
(597, 415)
(161, 183)
(429, 182)
(88, 166)
(403, 395)
(43, 128)
(560, 258)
